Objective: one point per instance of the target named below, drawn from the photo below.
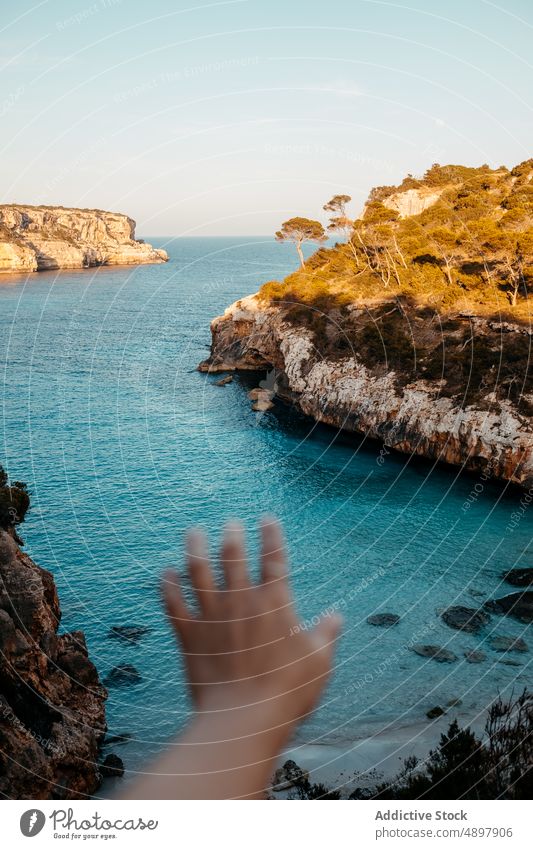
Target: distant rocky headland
(415, 330)
(41, 238)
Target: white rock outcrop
(411, 201)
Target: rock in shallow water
(112, 766)
(519, 577)
(517, 605)
(435, 712)
(473, 656)
(262, 405)
(508, 644)
(128, 633)
(122, 675)
(259, 393)
(385, 620)
(437, 653)
(466, 619)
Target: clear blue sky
(226, 118)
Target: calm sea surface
(124, 445)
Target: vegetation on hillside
(404, 294)
(472, 249)
(463, 766)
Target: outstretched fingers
(200, 570)
(233, 557)
(273, 558)
(175, 605)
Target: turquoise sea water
(124, 445)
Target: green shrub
(464, 767)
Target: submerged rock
(128, 633)
(224, 380)
(508, 644)
(519, 577)
(437, 653)
(473, 656)
(122, 675)
(435, 712)
(385, 620)
(465, 618)
(517, 605)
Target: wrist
(263, 721)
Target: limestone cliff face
(39, 238)
(411, 417)
(17, 257)
(411, 201)
(52, 715)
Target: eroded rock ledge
(410, 417)
(52, 705)
(40, 238)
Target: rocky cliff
(52, 716)
(412, 201)
(366, 394)
(39, 238)
(416, 328)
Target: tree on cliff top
(14, 501)
(339, 221)
(300, 230)
(337, 204)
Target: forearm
(221, 755)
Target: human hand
(253, 669)
(246, 650)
